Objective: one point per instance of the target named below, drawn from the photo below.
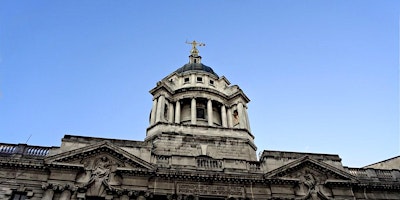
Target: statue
(99, 179)
(194, 50)
(194, 44)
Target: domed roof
(196, 67)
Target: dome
(196, 67)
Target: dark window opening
(187, 80)
(95, 198)
(199, 79)
(200, 113)
(211, 82)
(18, 196)
(166, 112)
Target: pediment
(312, 179)
(88, 156)
(299, 168)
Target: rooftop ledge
(199, 130)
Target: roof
(391, 163)
(196, 67)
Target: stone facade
(198, 146)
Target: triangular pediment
(306, 165)
(311, 178)
(85, 157)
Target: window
(200, 112)
(211, 82)
(199, 79)
(18, 196)
(186, 80)
(95, 198)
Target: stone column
(124, 197)
(65, 195)
(240, 114)
(178, 112)
(48, 194)
(141, 198)
(193, 111)
(171, 113)
(247, 119)
(210, 112)
(229, 118)
(153, 112)
(160, 108)
(223, 116)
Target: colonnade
(234, 116)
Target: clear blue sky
(323, 76)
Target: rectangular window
(186, 80)
(18, 196)
(199, 79)
(200, 113)
(95, 198)
(211, 82)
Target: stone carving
(99, 178)
(313, 191)
(310, 182)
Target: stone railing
(209, 163)
(377, 174)
(384, 174)
(24, 149)
(8, 148)
(254, 166)
(358, 172)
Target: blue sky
(323, 76)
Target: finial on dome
(194, 52)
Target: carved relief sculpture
(313, 188)
(99, 179)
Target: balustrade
(209, 163)
(24, 149)
(371, 173)
(7, 148)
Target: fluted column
(240, 115)
(65, 195)
(223, 116)
(153, 112)
(210, 112)
(193, 111)
(48, 194)
(171, 113)
(229, 118)
(178, 112)
(160, 108)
